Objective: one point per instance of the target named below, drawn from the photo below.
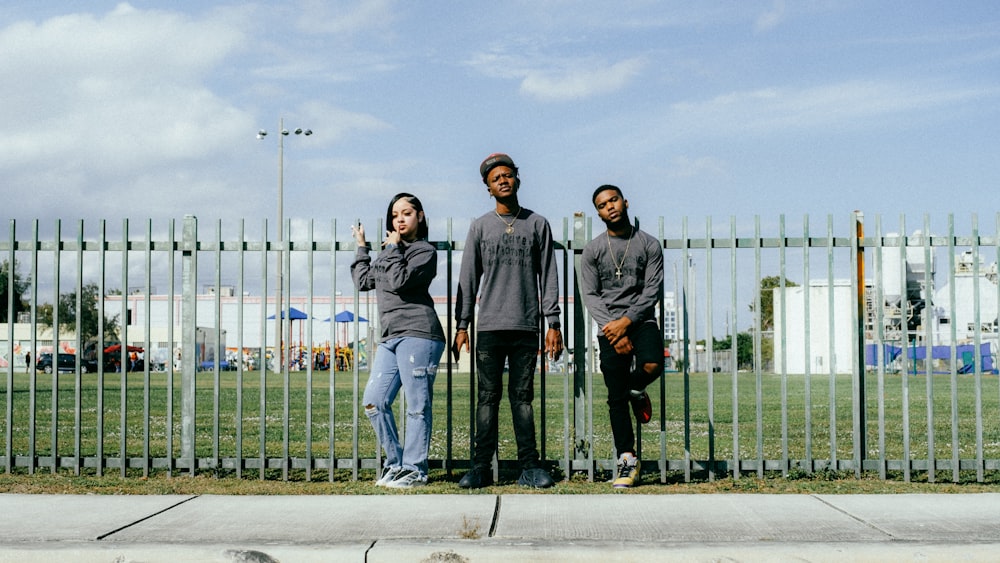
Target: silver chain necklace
(618, 265)
(510, 226)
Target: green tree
(89, 317)
(744, 348)
(19, 287)
(767, 287)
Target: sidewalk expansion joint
(855, 518)
(496, 518)
(143, 519)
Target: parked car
(67, 364)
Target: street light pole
(278, 305)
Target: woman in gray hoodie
(411, 342)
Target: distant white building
(791, 354)
(903, 313)
(963, 316)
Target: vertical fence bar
(332, 457)
(878, 304)
(834, 463)
(355, 395)
(240, 363)
(710, 342)
(582, 439)
(78, 380)
(858, 342)
(976, 352)
(449, 332)
(904, 373)
(9, 413)
(586, 398)
(33, 371)
(218, 350)
(147, 325)
(662, 384)
(101, 336)
(757, 344)
(57, 272)
(310, 258)
(123, 357)
(172, 359)
(807, 334)
(264, 363)
(783, 287)
(734, 346)
(691, 344)
(928, 350)
(189, 337)
(953, 368)
(576, 369)
(284, 338)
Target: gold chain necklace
(510, 226)
(618, 265)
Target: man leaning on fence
(509, 262)
(621, 279)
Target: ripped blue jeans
(409, 363)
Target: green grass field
(309, 422)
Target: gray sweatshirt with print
(635, 293)
(514, 274)
(401, 276)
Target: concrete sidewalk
(482, 527)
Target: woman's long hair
(422, 231)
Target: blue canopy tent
(343, 355)
(294, 315)
(346, 316)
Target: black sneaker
(641, 406)
(476, 478)
(535, 477)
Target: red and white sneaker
(641, 406)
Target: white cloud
(100, 106)
(346, 17)
(771, 18)
(688, 167)
(585, 81)
(128, 84)
(844, 104)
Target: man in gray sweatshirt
(509, 263)
(621, 278)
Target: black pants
(623, 373)
(519, 350)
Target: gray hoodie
(635, 293)
(514, 275)
(401, 276)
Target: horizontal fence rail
(845, 347)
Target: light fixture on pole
(278, 305)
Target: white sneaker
(407, 480)
(389, 475)
(628, 471)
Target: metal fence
(874, 361)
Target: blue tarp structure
(346, 317)
(965, 354)
(293, 314)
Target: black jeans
(519, 349)
(622, 375)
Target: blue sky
(150, 109)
